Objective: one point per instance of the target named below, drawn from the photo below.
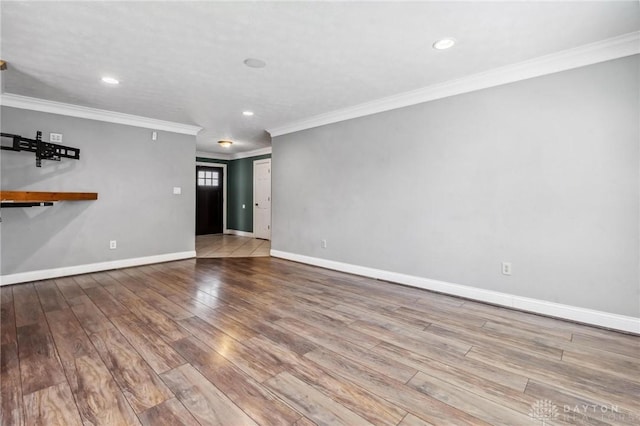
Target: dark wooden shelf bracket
(5, 205)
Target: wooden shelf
(41, 197)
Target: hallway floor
(220, 245)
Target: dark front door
(208, 200)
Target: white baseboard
(239, 233)
(572, 313)
(46, 274)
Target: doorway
(209, 200)
(262, 199)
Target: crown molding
(43, 105)
(236, 156)
(601, 51)
(213, 155)
(253, 153)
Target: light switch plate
(177, 190)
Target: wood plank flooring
(263, 341)
(224, 245)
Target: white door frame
(224, 190)
(256, 162)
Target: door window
(208, 178)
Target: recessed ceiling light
(247, 113)
(255, 63)
(444, 43)
(110, 80)
(225, 143)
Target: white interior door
(262, 199)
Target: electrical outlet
(177, 190)
(55, 137)
(154, 136)
(323, 243)
(506, 268)
(113, 245)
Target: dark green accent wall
(239, 191)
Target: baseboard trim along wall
(46, 274)
(572, 313)
(239, 233)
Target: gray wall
(133, 176)
(543, 173)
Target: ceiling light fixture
(444, 43)
(247, 113)
(110, 80)
(225, 143)
(255, 63)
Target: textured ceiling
(183, 61)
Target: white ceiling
(183, 61)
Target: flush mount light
(444, 43)
(247, 113)
(225, 143)
(110, 80)
(255, 63)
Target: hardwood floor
(224, 245)
(246, 341)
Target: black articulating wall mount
(43, 150)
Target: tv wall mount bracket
(43, 150)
